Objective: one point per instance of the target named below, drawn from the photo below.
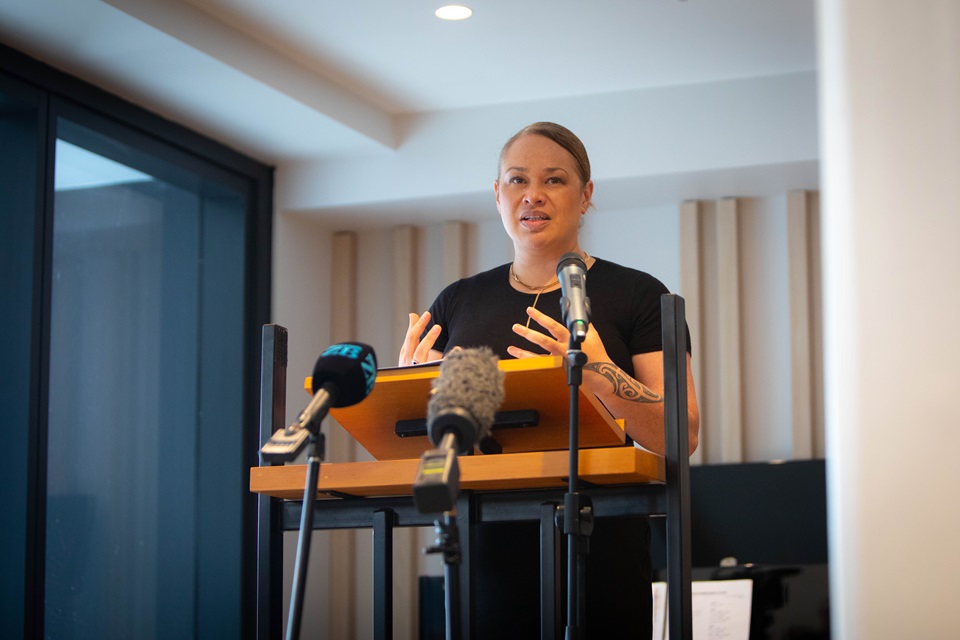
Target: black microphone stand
(444, 489)
(448, 543)
(314, 456)
(577, 508)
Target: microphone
(575, 305)
(465, 397)
(343, 375)
(460, 412)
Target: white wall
(891, 143)
(647, 239)
(651, 146)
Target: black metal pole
(451, 572)
(273, 394)
(306, 533)
(677, 461)
(574, 504)
(466, 530)
(550, 579)
(448, 543)
(384, 521)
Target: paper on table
(721, 609)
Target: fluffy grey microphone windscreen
(471, 380)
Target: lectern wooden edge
(507, 471)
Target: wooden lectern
(533, 387)
(524, 482)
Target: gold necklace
(532, 288)
(539, 290)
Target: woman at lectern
(543, 189)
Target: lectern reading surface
(537, 384)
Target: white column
(801, 373)
(301, 246)
(406, 541)
(729, 329)
(341, 447)
(405, 299)
(890, 144)
(454, 250)
(690, 288)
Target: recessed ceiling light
(453, 12)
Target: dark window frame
(58, 93)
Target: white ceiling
(376, 108)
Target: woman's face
(540, 196)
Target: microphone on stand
(343, 375)
(575, 305)
(460, 412)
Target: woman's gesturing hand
(414, 350)
(558, 340)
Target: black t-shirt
(625, 311)
(481, 310)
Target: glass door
(144, 424)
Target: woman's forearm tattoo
(623, 386)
